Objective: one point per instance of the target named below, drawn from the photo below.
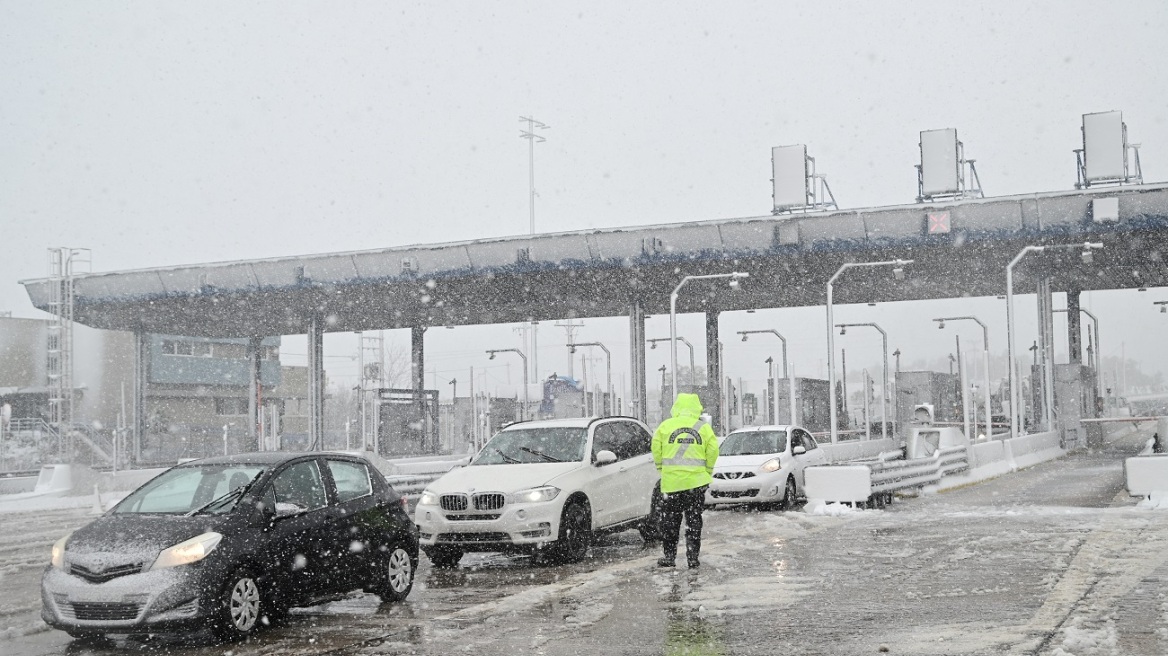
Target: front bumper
(148, 602)
(518, 526)
(760, 488)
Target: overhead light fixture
(744, 337)
(843, 330)
(1142, 289)
(492, 355)
(1163, 309)
(940, 325)
(1087, 257)
(898, 273)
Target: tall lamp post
(790, 381)
(1015, 397)
(985, 336)
(692, 370)
(734, 278)
(883, 383)
(526, 401)
(1098, 363)
(608, 358)
(898, 272)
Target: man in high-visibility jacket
(684, 450)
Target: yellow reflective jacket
(685, 447)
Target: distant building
(196, 388)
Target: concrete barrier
(1146, 474)
(838, 484)
(847, 451)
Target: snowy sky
(176, 133)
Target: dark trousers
(673, 506)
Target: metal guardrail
(892, 475)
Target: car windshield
(187, 489)
(747, 443)
(558, 444)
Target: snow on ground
(1155, 501)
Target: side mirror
(605, 457)
(799, 450)
(287, 510)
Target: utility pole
(570, 326)
(532, 138)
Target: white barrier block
(1145, 474)
(838, 483)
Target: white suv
(545, 488)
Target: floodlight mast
(790, 381)
(734, 278)
(1098, 360)
(883, 383)
(608, 358)
(692, 370)
(899, 272)
(985, 335)
(526, 398)
(1015, 397)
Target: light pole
(692, 371)
(883, 383)
(734, 278)
(526, 401)
(1098, 362)
(1015, 397)
(790, 381)
(985, 336)
(898, 272)
(608, 359)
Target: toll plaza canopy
(959, 249)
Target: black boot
(692, 548)
(669, 557)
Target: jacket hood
(687, 406)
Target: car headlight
(189, 551)
(428, 498)
(58, 557)
(537, 494)
(772, 465)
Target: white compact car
(545, 488)
(763, 465)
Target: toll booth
(563, 398)
(407, 422)
(926, 388)
(1074, 400)
(812, 403)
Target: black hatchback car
(232, 543)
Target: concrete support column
(417, 358)
(640, 389)
(1074, 327)
(141, 378)
(254, 393)
(316, 382)
(714, 370)
(429, 443)
(1046, 351)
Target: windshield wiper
(540, 454)
(220, 499)
(506, 458)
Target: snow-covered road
(1050, 560)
